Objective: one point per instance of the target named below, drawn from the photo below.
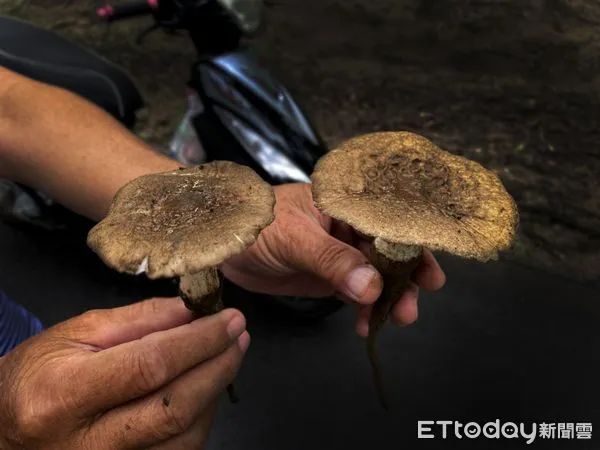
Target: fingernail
(244, 341)
(358, 281)
(236, 326)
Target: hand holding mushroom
(407, 195)
(304, 252)
(183, 224)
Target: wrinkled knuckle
(92, 319)
(330, 257)
(147, 306)
(172, 422)
(151, 367)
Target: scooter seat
(49, 58)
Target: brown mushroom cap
(401, 187)
(183, 221)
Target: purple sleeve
(16, 324)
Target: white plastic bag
(185, 146)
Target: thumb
(343, 266)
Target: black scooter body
(271, 114)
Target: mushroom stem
(202, 294)
(395, 263)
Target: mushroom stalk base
(395, 263)
(202, 294)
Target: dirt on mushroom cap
(184, 220)
(401, 187)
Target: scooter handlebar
(111, 13)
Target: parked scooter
(237, 110)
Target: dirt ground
(513, 84)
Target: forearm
(68, 148)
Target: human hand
(306, 253)
(140, 376)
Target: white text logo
(445, 429)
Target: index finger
(136, 368)
(429, 274)
(104, 328)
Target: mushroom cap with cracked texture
(183, 221)
(401, 187)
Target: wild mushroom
(183, 224)
(407, 194)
